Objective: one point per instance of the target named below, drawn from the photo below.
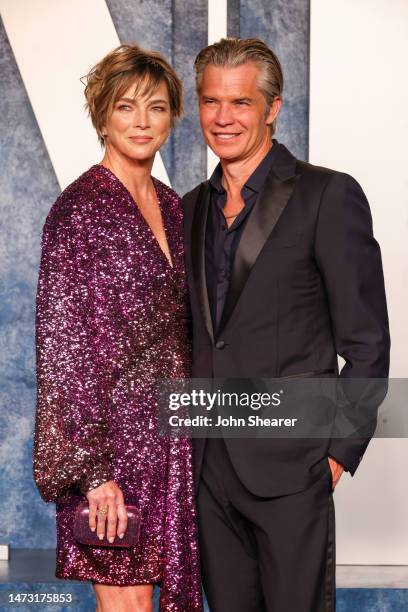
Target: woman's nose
(141, 119)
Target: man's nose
(224, 115)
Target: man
(284, 275)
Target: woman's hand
(106, 505)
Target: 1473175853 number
(35, 598)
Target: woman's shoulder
(165, 192)
(79, 202)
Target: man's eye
(124, 107)
(159, 108)
(242, 103)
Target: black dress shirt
(221, 241)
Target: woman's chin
(139, 156)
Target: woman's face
(138, 127)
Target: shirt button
(220, 344)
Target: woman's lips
(141, 139)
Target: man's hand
(336, 469)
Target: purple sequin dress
(112, 318)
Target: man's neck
(237, 172)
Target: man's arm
(349, 260)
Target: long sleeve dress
(111, 319)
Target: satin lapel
(270, 205)
(198, 254)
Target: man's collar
(215, 179)
(257, 178)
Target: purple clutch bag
(84, 535)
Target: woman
(111, 319)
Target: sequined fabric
(111, 319)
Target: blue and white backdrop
(345, 103)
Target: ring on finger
(103, 511)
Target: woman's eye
(124, 107)
(159, 108)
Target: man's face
(233, 114)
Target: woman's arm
(74, 373)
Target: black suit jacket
(306, 285)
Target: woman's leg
(137, 598)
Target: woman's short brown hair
(126, 65)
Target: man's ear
(274, 111)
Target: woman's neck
(134, 174)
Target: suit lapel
(268, 208)
(198, 253)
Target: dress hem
(60, 576)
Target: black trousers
(262, 554)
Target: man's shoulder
(286, 166)
(308, 169)
(319, 179)
(326, 177)
(189, 198)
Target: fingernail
(92, 528)
(121, 535)
(100, 536)
(111, 540)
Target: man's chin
(227, 155)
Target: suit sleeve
(73, 378)
(349, 260)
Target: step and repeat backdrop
(345, 101)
